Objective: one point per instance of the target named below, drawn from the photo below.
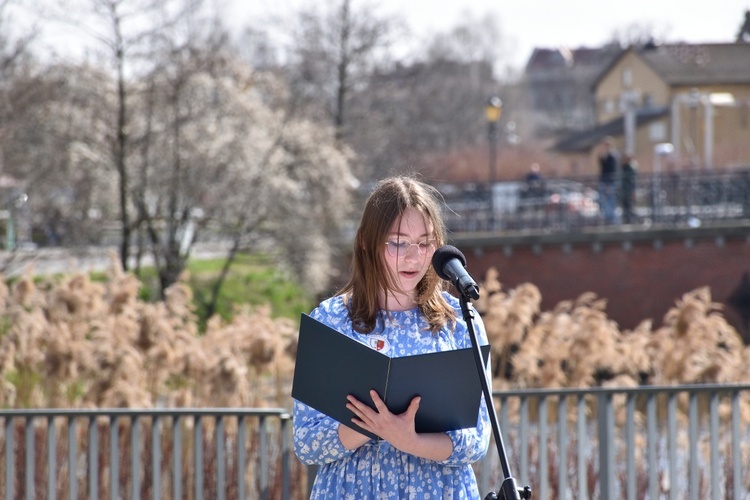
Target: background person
(534, 182)
(627, 187)
(394, 294)
(608, 164)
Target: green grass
(253, 280)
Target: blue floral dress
(377, 470)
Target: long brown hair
(370, 275)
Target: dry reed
(75, 343)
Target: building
(674, 106)
(558, 82)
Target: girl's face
(408, 251)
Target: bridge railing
(573, 204)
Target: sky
(528, 24)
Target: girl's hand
(399, 430)
(396, 429)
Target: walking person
(608, 164)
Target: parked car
(572, 197)
(560, 196)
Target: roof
(543, 59)
(582, 142)
(683, 64)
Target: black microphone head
(442, 255)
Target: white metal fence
(676, 442)
(159, 453)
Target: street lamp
(492, 111)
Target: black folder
(331, 366)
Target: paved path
(46, 261)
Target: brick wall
(641, 274)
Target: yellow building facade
(674, 107)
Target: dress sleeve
(470, 445)
(316, 436)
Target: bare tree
(215, 158)
(470, 40)
(194, 140)
(335, 49)
(638, 34)
(57, 147)
(428, 107)
(14, 47)
(743, 34)
(123, 33)
(15, 63)
(16, 97)
(397, 115)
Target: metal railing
(573, 204)
(156, 453)
(676, 442)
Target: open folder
(331, 366)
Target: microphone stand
(508, 490)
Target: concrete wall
(640, 273)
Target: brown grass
(81, 344)
(75, 343)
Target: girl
(395, 298)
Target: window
(657, 132)
(627, 78)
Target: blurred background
(157, 127)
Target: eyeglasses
(401, 248)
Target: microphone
(450, 264)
